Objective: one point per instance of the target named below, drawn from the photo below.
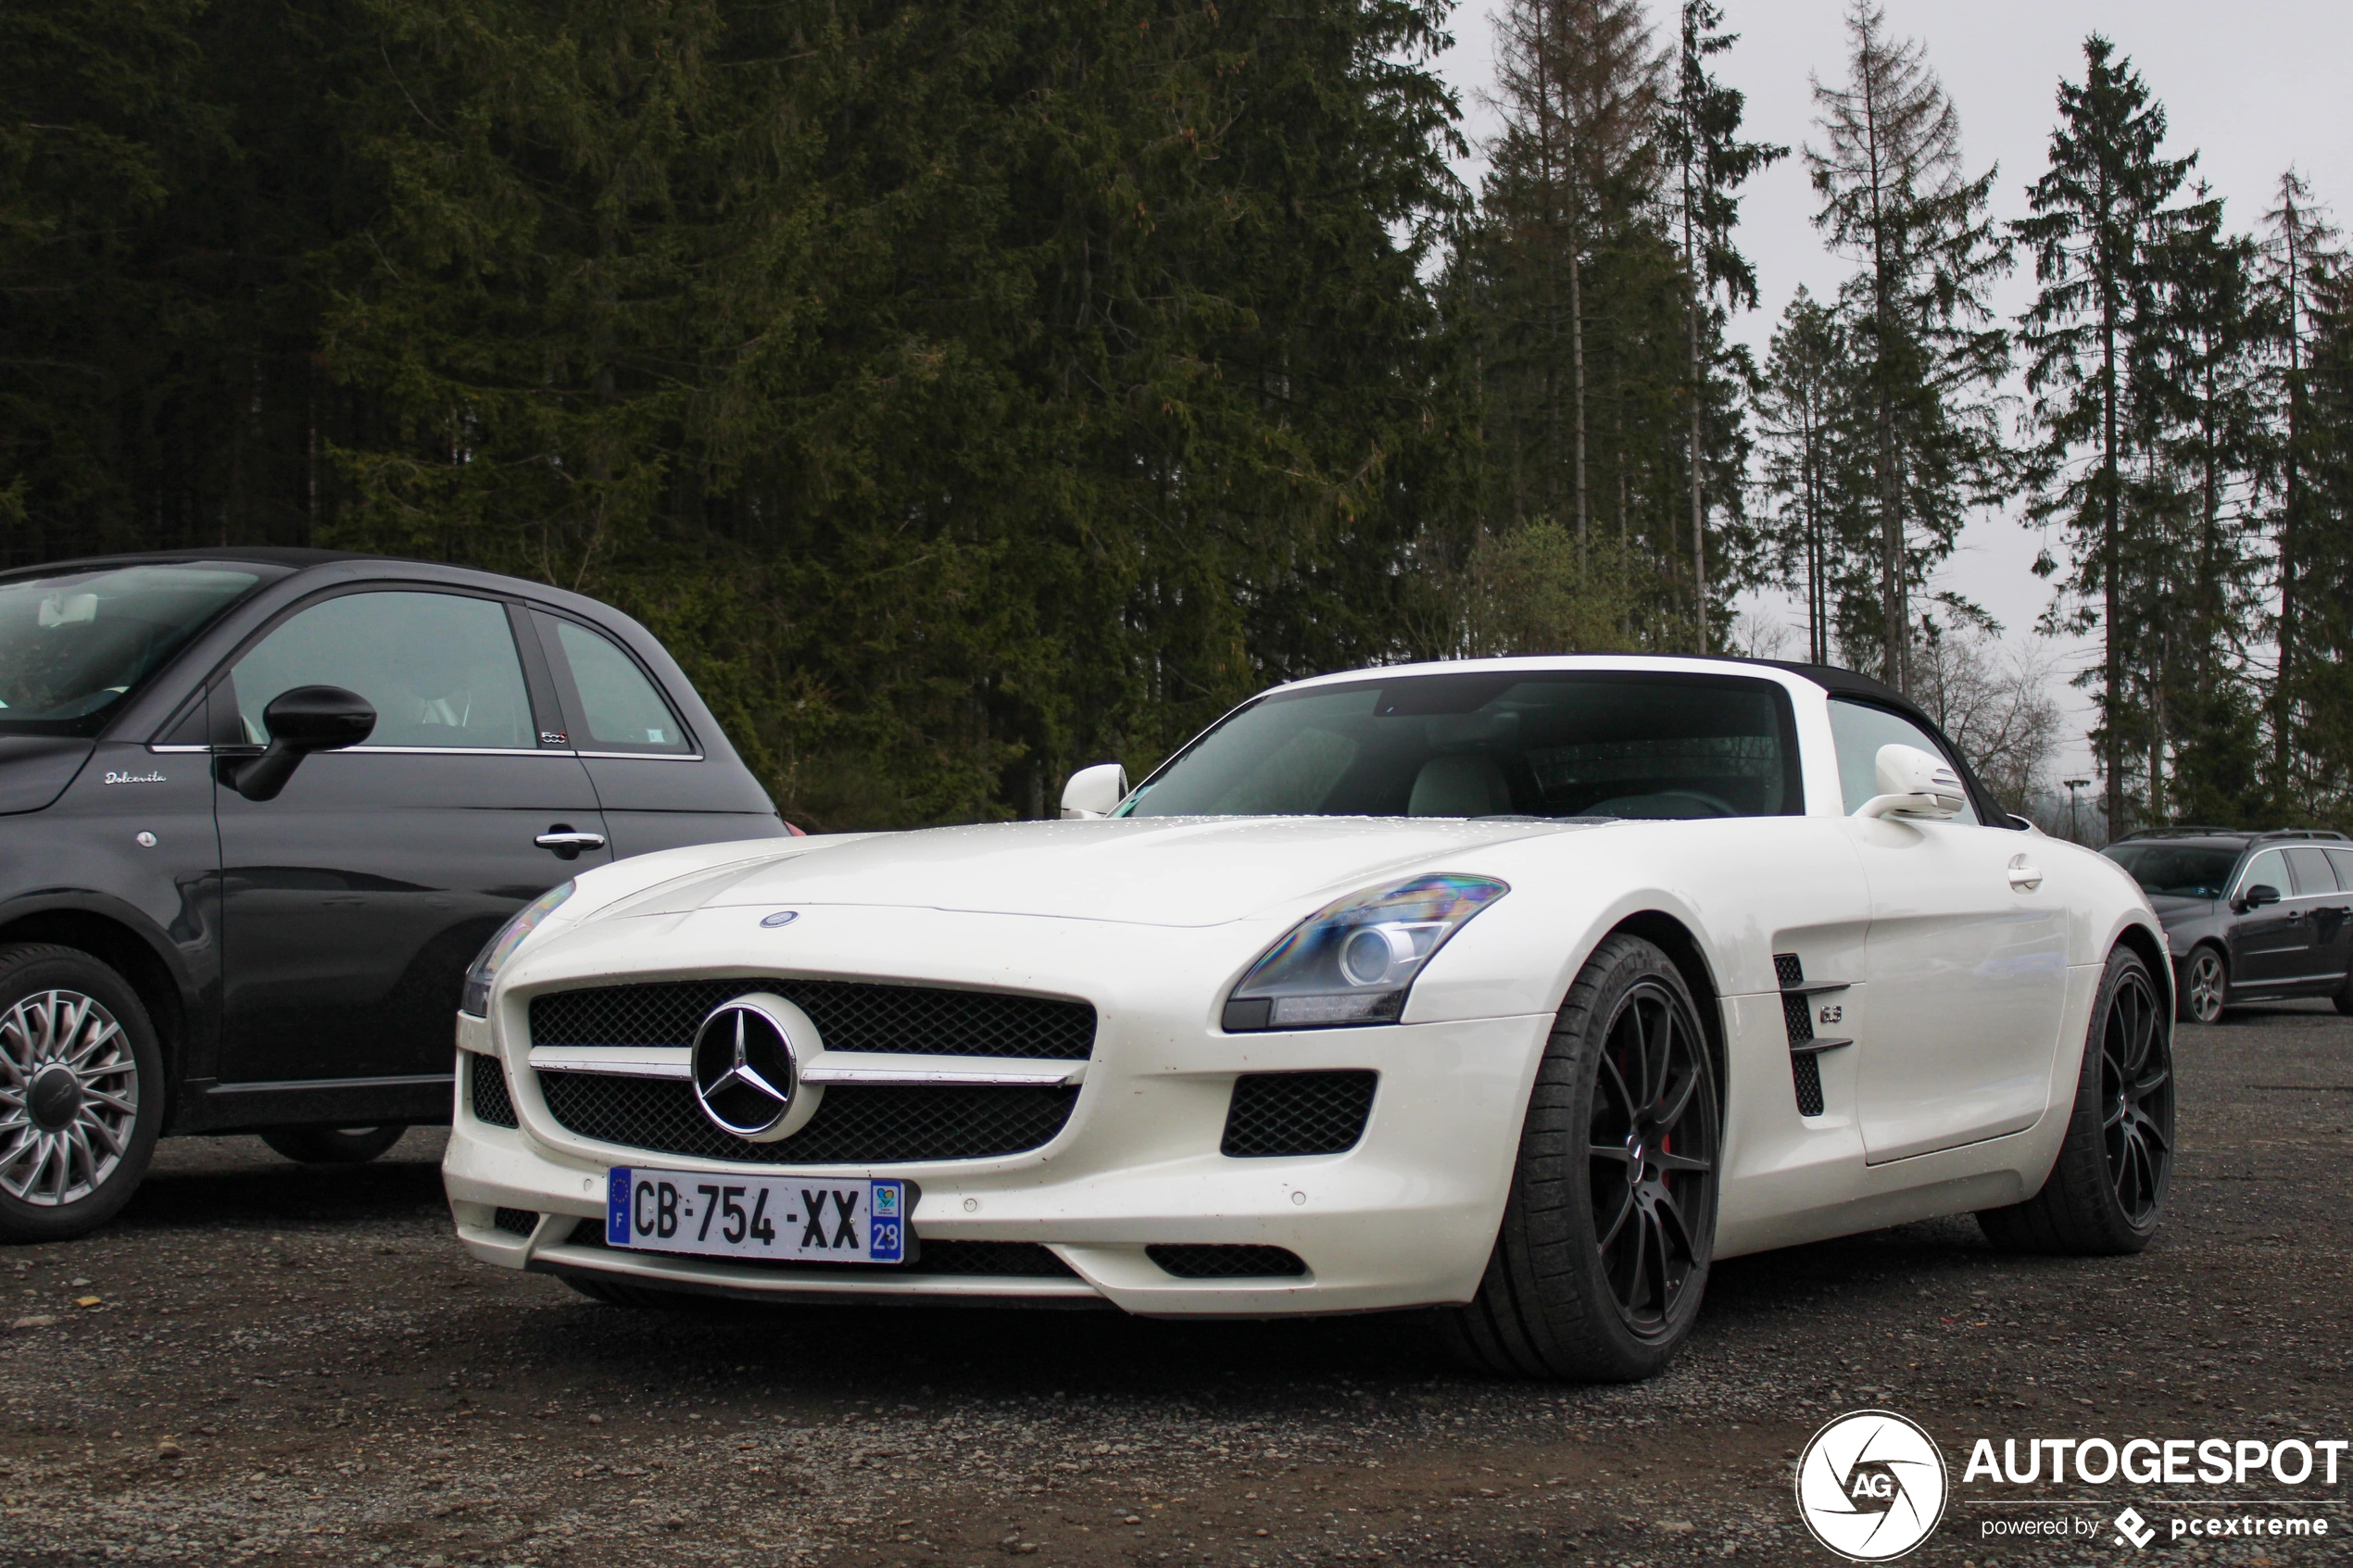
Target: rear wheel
(2205, 982)
(2106, 1192)
(1603, 1255)
(333, 1146)
(80, 1092)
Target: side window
(1859, 730)
(2343, 860)
(614, 707)
(441, 669)
(2269, 868)
(2310, 869)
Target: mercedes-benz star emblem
(746, 1070)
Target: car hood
(1160, 870)
(2171, 907)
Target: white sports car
(1520, 989)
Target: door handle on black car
(567, 843)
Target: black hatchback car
(259, 811)
(2250, 916)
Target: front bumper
(1405, 1218)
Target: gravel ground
(266, 1364)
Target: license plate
(803, 1219)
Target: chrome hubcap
(68, 1097)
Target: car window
(440, 669)
(1567, 744)
(2343, 860)
(2310, 869)
(2269, 869)
(73, 645)
(616, 707)
(1858, 730)
(2180, 870)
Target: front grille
(515, 1221)
(1228, 1263)
(855, 1124)
(1298, 1112)
(486, 1087)
(985, 1259)
(849, 1015)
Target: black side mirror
(2256, 896)
(304, 720)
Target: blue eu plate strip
(617, 1207)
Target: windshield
(2180, 870)
(73, 645)
(1567, 744)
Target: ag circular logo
(1872, 1486)
(746, 1067)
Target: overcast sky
(2251, 87)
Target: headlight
(1353, 961)
(476, 999)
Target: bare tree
(1995, 702)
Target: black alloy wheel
(1653, 1160)
(2205, 982)
(1601, 1261)
(2106, 1192)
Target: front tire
(2205, 982)
(1602, 1259)
(2105, 1194)
(81, 1094)
(333, 1146)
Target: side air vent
(1188, 1261)
(1276, 1114)
(1806, 1047)
(487, 1091)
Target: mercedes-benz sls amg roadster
(1518, 991)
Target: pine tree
(2300, 264)
(1708, 163)
(1895, 200)
(1805, 406)
(2323, 699)
(2099, 235)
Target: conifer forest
(970, 391)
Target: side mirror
(2256, 895)
(300, 721)
(1913, 783)
(1093, 792)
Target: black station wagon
(2252, 917)
(259, 811)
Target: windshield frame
(109, 720)
(1797, 799)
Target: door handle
(567, 841)
(2025, 876)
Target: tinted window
(2180, 870)
(2310, 869)
(73, 645)
(2343, 860)
(2269, 869)
(440, 668)
(1858, 730)
(617, 707)
(1602, 744)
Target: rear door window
(614, 704)
(2342, 861)
(2311, 870)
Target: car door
(354, 901)
(2321, 907)
(2267, 941)
(2338, 954)
(1966, 960)
(657, 788)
